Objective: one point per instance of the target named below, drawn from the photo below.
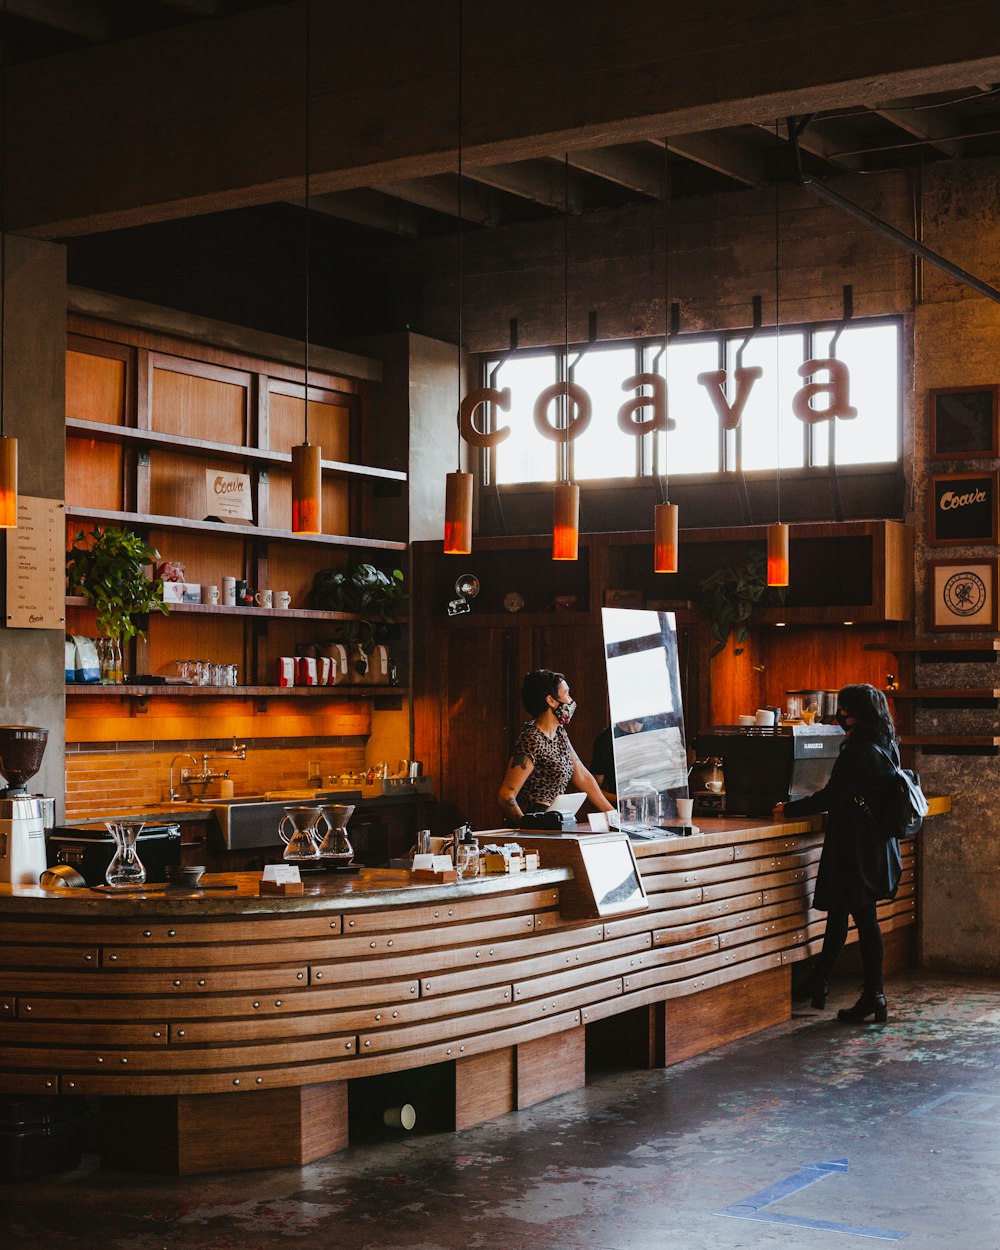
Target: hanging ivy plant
(730, 594)
(110, 568)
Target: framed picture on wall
(961, 509)
(963, 422)
(962, 594)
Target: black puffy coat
(859, 864)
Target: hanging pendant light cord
(308, 190)
(565, 407)
(666, 302)
(458, 408)
(3, 221)
(777, 321)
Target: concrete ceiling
(877, 134)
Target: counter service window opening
(869, 348)
(647, 719)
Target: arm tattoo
(519, 759)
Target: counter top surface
(186, 813)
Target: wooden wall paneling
(191, 1135)
(207, 558)
(97, 381)
(573, 644)
(95, 474)
(220, 639)
(177, 486)
(550, 1065)
(703, 1021)
(485, 1087)
(330, 429)
(189, 397)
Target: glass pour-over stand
(126, 869)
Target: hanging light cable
(566, 495)
(8, 446)
(777, 534)
(665, 514)
(307, 460)
(458, 485)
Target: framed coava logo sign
(962, 509)
(228, 496)
(962, 594)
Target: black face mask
(842, 719)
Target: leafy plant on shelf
(371, 595)
(110, 568)
(730, 594)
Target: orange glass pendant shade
(777, 555)
(566, 522)
(307, 489)
(458, 514)
(8, 483)
(665, 538)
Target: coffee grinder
(22, 815)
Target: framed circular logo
(963, 595)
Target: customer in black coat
(860, 864)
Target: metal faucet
(238, 751)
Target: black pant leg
(872, 947)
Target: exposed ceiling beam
(636, 166)
(723, 153)
(922, 124)
(198, 8)
(367, 208)
(541, 182)
(87, 21)
(827, 140)
(441, 193)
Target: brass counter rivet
(177, 983)
(201, 981)
(50, 1084)
(367, 1043)
(28, 1007)
(299, 976)
(389, 943)
(413, 989)
(99, 1059)
(277, 1002)
(427, 985)
(255, 1004)
(437, 915)
(372, 945)
(448, 1051)
(259, 1081)
(348, 1046)
(171, 933)
(395, 1014)
(111, 957)
(461, 1048)
(378, 1015)
(88, 958)
(71, 1084)
(157, 1033)
(491, 950)
(147, 933)
(236, 1080)
(318, 976)
(180, 1032)
(350, 924)
(450, 912)
(124, 1061)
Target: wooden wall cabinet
(149, 418)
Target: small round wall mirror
(467, 586)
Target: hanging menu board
(36, 565)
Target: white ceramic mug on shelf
(282, 599)
(263, 599)
(210, 594)
(229, 592)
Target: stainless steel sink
(252, 821)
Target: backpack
(904, 804)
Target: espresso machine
(22, 815)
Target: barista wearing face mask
(543, 764)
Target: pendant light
(665, 514)
(8, 446)
(566, 495)
(777, 534)
(458, 485)
(307, 460)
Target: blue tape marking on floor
(945, 1107)
(754, 1207)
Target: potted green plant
(731, 592)
(369, 594)
(110, 567)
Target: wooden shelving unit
(93, 689)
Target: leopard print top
(553, 766)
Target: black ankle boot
(812, 988)
(871, 1003)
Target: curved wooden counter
(166, 1005)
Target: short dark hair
(537, 686)
(870, 709)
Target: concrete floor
(635, 1161)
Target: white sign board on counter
(36, 565)
(228, 496)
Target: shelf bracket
(260, 705)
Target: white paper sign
(228, 495)
(432, 863)
(36, 565)
(281, 874)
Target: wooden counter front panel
(187, 1005)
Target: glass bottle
(126, 867)
(467, 855)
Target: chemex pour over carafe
(301, 843)
(126, 867)
(336, 845)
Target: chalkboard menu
(36, 565)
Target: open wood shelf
(103, 432)
(947, 695)
(972, 744)
(965, 648)
(235, 692)
(218, 609)
(184, 524)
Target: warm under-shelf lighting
(566, 521)
(665, 538)
(307, 489)
(8, 483)
(777, 554)
(458, 514)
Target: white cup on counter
(745, 720)
(264, 599)
(282, 600)
(764, 718)
(229, 592)
(685, 810)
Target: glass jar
(639, 803)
